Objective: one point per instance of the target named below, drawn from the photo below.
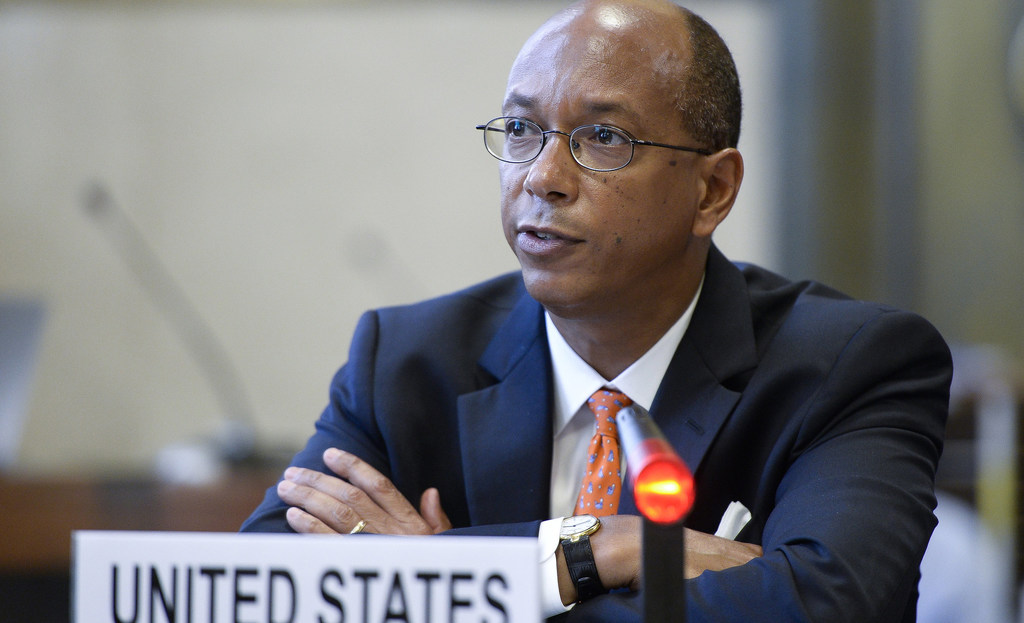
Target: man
(823, 416)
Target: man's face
(591, 242)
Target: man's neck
(610, 343)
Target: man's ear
(723, 173)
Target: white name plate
(178, 577)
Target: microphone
(664, 493)
(237, 440)
(662, 484)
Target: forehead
(600, 62)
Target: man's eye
(516, 127)
(607, 136)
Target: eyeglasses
(594, 147)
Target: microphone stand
(236, 443)
(664, 492)
(663, 559)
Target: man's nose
(554, 174)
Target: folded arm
(324, 504)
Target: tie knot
(605, 404)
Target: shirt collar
(575, 380)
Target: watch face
(577, 524)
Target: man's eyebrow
(518, 100)
(605, 107)
(591, 108)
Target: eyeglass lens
(598, 147)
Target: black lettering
(329, 597)
(213, 573)
(427, 578)
(280, 574)
(188, 596)
(240, 597)
(397, 594)
(156, 588)
(453, 600)
(135, 604)
(366, 576)
(491, 599)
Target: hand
(706, 552)
(617, 552)
(324, 504)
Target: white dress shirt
(574, 381)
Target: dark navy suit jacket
(823, 415)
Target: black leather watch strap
(579, 558)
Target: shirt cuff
(550, 597)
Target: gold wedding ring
(359, 527)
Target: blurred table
(38, 515)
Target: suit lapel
(506, 427)
(704, 381)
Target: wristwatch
(579, 557)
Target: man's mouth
(547, 234)
(539, 243)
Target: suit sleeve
(350, 422)
(346, 423)
(853, 510)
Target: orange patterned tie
(602, 482)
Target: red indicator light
(664, 490)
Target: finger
(335, 514)
(325, 483)
(433, 514)
(304, 523)
(340, 504)
(336, 490)
(398, 514)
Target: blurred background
(198, 200)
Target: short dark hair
(710, 100)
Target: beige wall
(269, 154)
(972, 171)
